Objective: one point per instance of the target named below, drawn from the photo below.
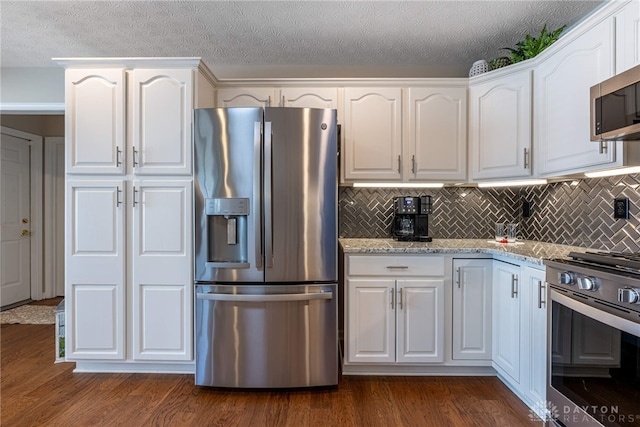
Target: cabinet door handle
(458, 279)
(400, 291)
(118, 156)
(514, 286)
(118, 200)
(603, 147)
(269, 101)
(413, 164)
(526, 158)
(541, 288)
(397, 267)
(399, 163)
(283, 102)
(135, 157)
(134, 196)
(393, 297)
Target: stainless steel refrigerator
(265, 197)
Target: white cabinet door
(372, 134)
(162, 266)
(562, 99)
(534, 349)
(161, 124)
(95, 269)
(472, 309)
(316, 97)
(371, 321)
(162, 322)
(246, 97)
(627, 23)
(500, 127)
(95, 121)
(506, 319)
(420, 323)
(437, 143)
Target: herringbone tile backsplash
(576, 213)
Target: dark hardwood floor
(36, 392)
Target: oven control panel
(585, 283)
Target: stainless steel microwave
(615, 107)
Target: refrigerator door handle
(268, 196)
(257, 191)
(267, 298)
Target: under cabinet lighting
(522, 183)
(613, 172)
(399, 184)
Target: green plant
(532, 46)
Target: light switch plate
(621, 208)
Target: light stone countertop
(526, 250)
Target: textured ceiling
(260, 39)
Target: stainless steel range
(594, 339)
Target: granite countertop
(525, 250)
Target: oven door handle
(599, 315)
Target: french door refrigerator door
(256, 336)
(228, 195)
(300, 193)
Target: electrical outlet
(526, 209)
(621, 208)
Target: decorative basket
(478, 67)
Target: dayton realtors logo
(547, 411)
(543, 411)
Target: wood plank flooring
(36, 392)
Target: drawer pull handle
(397, 267)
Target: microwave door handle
(257, 191)
(268, 195)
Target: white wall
(32, 86)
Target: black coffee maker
(411, 218)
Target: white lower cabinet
(95, 270)
(506, 319)
(471, 327)
(520, 329)
(394, 319)
(151, 286)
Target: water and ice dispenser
(227, 232)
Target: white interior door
(15, 284)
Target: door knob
(25, 220)
(25, 233)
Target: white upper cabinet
(373, 134)
(627, 23)
(141, 118)
(316, 97)
(162, 111)
(500, 127)
(95, 124)
(437, 141)
(562, 99)
(246, 97)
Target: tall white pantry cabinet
(128, 229)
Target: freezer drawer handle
(266, 298)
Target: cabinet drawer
(389, 265)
